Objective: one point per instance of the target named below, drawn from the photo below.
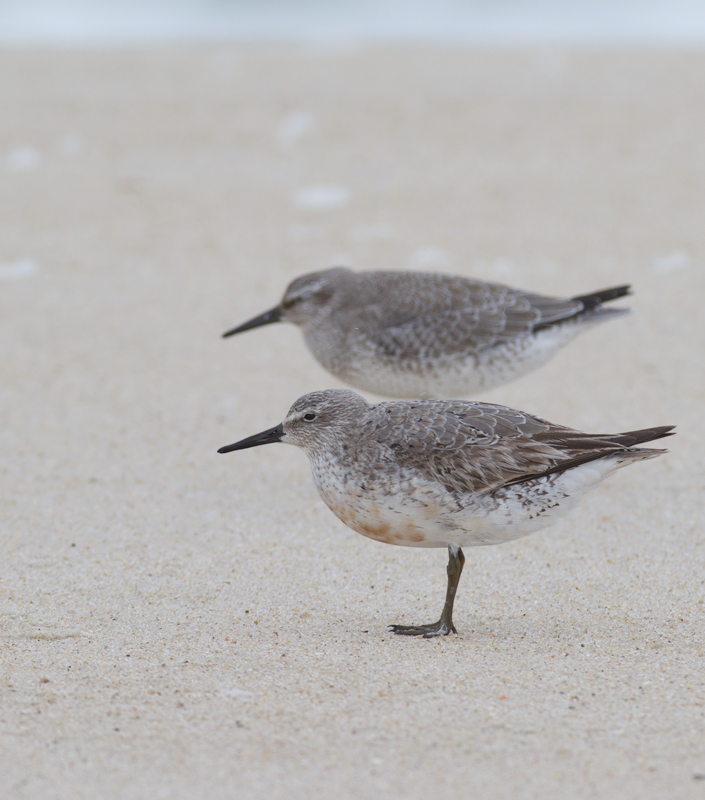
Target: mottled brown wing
(449, 314)
(479, 447)
(465, 446)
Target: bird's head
(316, 422)
(305, 298)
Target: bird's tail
(594, 299)
(591, 311)
(632, 438)
(592, 304)
(618, 447)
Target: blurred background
(507, 21)
(178, 623)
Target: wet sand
(176, 623)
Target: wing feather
(451, 314)
(480, 447)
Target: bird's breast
(372, 508)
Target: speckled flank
(457, 374)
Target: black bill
(266, 437)
(273, 315)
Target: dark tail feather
(592, 310)
(632, 438)
(626, 440)
(595, 299)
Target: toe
(427, 631)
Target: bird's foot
(440, 628)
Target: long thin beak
(266, 437)
(273, 315)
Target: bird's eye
(309, 417)
(290, 302)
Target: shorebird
(446, 473)
(415, 334)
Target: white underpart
(418, 513)
(521, 509)
(454, 376)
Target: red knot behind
(415, 334)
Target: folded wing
(480, 447)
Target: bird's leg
(444, 626)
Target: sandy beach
(176, 623)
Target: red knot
(415, 334)
(446, 473)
